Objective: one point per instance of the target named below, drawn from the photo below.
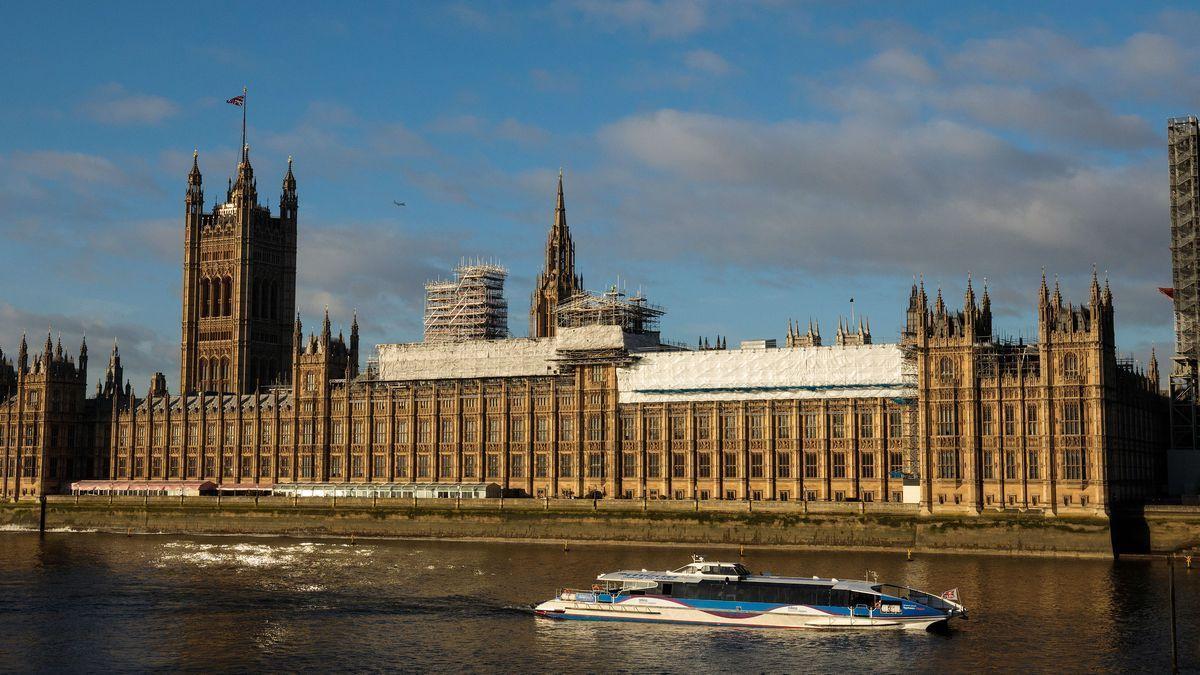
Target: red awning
(146, 485)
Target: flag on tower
(238, 100)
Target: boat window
(729, 570)
(741, 569)
(770, 593)
(666, 589)
(857, 598)
(894, 591)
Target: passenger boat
(727, 594)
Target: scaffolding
(1183, 147)
(611, 308)
(469, 307)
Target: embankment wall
(844, 525)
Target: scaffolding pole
(469, 307)
(1183, 147)
(611, 308)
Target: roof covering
(866, 371)
(515, 357)
(467, 359)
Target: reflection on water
(94, 602)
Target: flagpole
(243, 123)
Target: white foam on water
(257, 555)
(22, 528)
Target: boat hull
(664, 610)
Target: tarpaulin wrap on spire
(867, 371)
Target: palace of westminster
(592, 404)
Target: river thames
(99, 602)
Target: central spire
(557, 282)
(560, 250)
(560, 207)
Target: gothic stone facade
(1060, 426)
(239, 286)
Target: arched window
(202, 371)
(228, 308)
(274, 303)
(1070, 365)
(946, 367)
(224, 374)
(202, 299)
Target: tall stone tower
(557, 281)
(1183, 148)
(239, 286)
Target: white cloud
(114, 104)
(469, 16)
(143, 350)
(554, 81)
(902, 63)
(658, 18)
(330, 139)
(860, 196)
(1143, 64)
(520, 132)
(44, 194)
(375, 267)
(705, 61)
(458, 124)
(508, 129)
(1069, 114)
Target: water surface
(89, 602)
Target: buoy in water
(910, 556)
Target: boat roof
(687, 577)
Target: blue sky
(741, 162)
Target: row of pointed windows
(213, 374)
(216, 297)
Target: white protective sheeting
(868, 371)
(517, 357)
(596, 338)
(474, 358)
(590, 337)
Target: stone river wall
(837, 525)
